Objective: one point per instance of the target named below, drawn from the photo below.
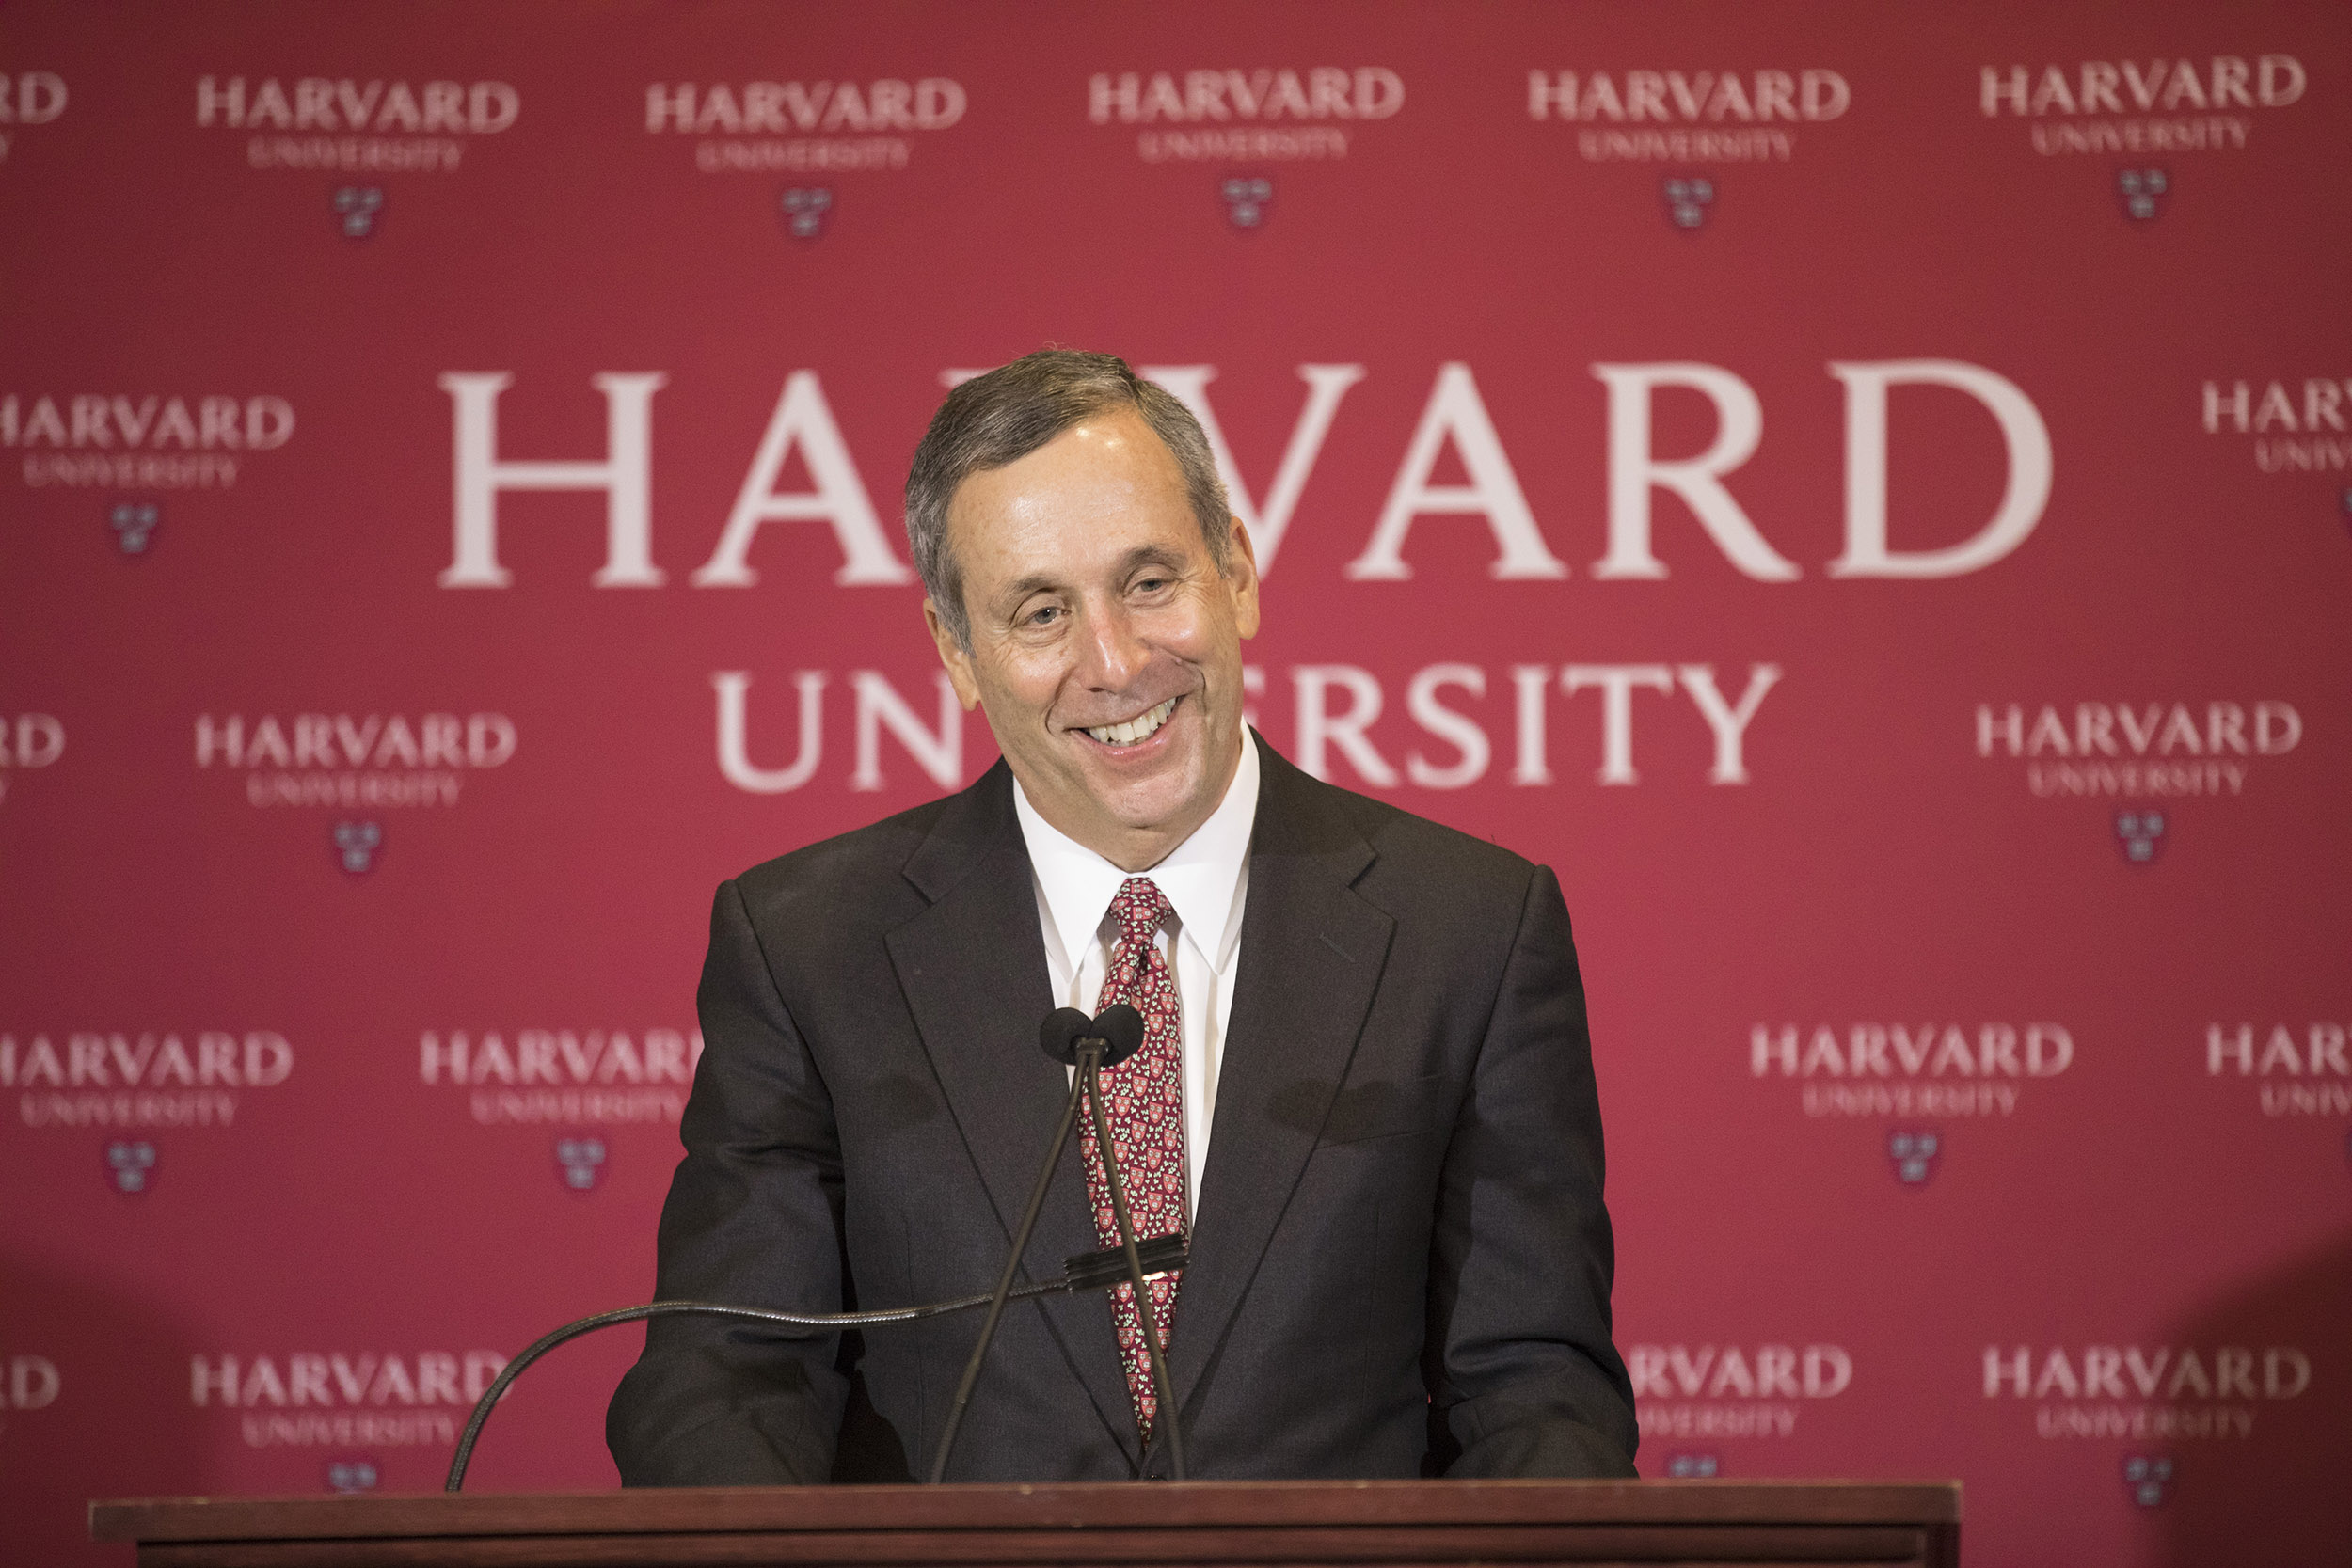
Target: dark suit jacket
(1400, 1260)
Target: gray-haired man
(1366, 1091)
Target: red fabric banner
(1863, 495)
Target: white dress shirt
(1206, 880)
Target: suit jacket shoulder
(1418, 869)
(864, 881)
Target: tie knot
(1140, 907)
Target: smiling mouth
(1141, 727)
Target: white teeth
(1135, 729)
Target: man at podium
(1365, 1093)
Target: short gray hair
(1002, 417)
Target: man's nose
(1112, 653)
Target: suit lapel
(1312, 952)
(973, 970)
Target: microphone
(1119, 1027)
(1072, 1039)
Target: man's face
(1106, 643)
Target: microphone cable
(1067, 1036)
(1090, 1271)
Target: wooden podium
(1396, 1522)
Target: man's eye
(1043, 615)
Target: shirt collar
(1200, 876)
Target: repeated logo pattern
(1143, 1100)
(1466, 520)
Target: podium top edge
(1060, 1505)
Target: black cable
(1121, 1033)
(1012, 1266)
(1088, 1270)
(826, 1322)
(1088, 1065)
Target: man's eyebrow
(1135, 560)
(1017, 593)
(1151, 555)
(1021, 588)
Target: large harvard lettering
(1454, 416)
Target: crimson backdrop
(1859, 490)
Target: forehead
(1094, 492)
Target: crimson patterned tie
(1143, 1100)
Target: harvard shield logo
(131, 1166)
(351, 1475)
(804, 208)
(2140, 833)
(358, 210)
(356, 845)
(579, 1163)
(2148, 1477)
(134, 523)
(1246, 199)
(2142, 192)
(1688, 197)
(1914, 1152)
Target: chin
(1158, 802)
(1146, 812)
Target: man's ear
(1241, 580)
(952, 654)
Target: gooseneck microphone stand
(1003, 1292)
(1087, 1045)
(1088, 1270)
(808, 1322)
